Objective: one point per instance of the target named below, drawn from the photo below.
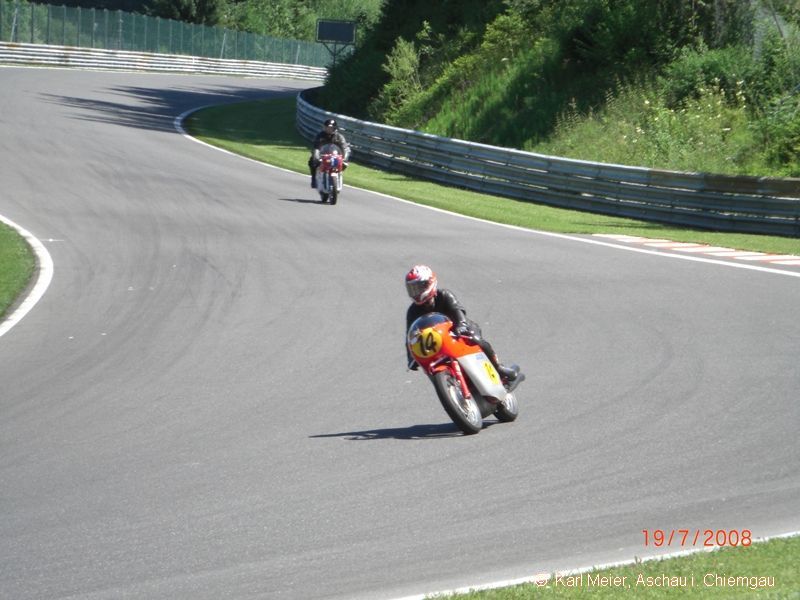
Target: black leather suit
(445, 302)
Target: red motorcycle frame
(330, 176)
(466, 382)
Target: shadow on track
(306, 201)
(415, 432)
(154, 108)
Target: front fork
(461, 379)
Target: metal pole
(14, 21)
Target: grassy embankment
(16, 266)
(265, 131)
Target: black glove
(345, 164)
(463, 330)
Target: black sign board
(336, 32)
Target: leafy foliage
(294, 19)
(721, 77)
(202, 12)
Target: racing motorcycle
(330, 176)
(466, 382)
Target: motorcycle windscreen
(482, 373)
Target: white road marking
(542, 579)
(44, 276)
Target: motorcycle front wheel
(508, 409)
(463, 411)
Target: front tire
(463, 411)
(508, 409)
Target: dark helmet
(331, 123)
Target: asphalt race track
(211, 399)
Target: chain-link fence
(24, 22)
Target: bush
(780, 130)
(696, 69)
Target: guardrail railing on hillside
(721, 202)
(31, 23)
(96, 58)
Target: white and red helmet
(421, 284)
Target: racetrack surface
(211, 399)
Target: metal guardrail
(720, 202)
(95, 58)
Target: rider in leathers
(329, 135)
(422, 287)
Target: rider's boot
(508, 374)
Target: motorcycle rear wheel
(463, 411)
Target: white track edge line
(542, 579)
(44, 267)
(179, 127)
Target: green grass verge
(764, 570)
(265, 131)
(16, 266)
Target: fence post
(14, 21)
